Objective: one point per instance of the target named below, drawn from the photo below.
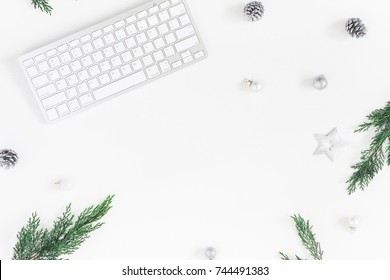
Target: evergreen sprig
(373, 159)
(308, 239)
(43, 5)
(35, 243)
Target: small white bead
(211, 253)
(320, 82)
(256, 86)
(353, 223)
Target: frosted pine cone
(356, 28)
(8, 158)
(254, 11)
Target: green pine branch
(43, 5)
(373, 159)
(35, 243)
(308, 239)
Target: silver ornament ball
(320, 82)
(211, 253)
(353, 223)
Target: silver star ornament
(327, 144)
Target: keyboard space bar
(119, 85)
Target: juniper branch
(308, 239)
(373, 159)
(64, 239)
(43, 5)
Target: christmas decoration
(373, 159)
(356, 28)
(211, 253)
(320, 82)
(308, 239)
(327, 144)
(42, 5)
(35, 243)
(255, 86)
(8, 158)
(254, 11)
(353, 223)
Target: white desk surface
(194, 159)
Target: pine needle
(42, 5)
(373, 159)
(308, 239)
(64, 239)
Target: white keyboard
(124, 52)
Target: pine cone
(8, 158)
(356, 28)
(254, 11)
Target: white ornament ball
(353, 223)
(211, 253)
(63, 184)
(320, 82)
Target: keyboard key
(148, 60)
(187, 43)
(43, 66)
(177, 64)
(61, 84)
(119, 24)
(152, 71)
(158, 55)
(188, 59)
(170, 38)
(74, 43)
(46, 91)
(115, 74)
(130, 42)
(71, 92)
(65, 57)
(109, 39)
(63, 48)
(85, 38)
(119, 47)
(131, 29)
(185, 19)
(74, 105)
(126, 69)
(163, 28)
(138, 52)
(137, 65)
(169, 51)
(175, 1)
(163, 16)
(152, 33)
(116, 61)
(199, 54)
(165, 4)
(120, 34)
(105, 66)
(104, 79)
(76, 53)
(93, 83)
(40, 57)
(108, 52)
(97, 33)
(86, 100)
(131, 19)
(154, 9)
(141, 38)
(87, 61)
(52, 114)
(173, 24)
(65, 70)
(83, 75)
(87, 48)
(165, 66)
(142, 25)
(108, 29)
(185, 54)
(54, 100)
(98, 56)
(51, 52)
(148, 47)
(82, 88)
(40, 81)
(185, 32)
(54, 75)
(63, 110)
(126, 57)
(119, 85)
(142, 14)
(54, 62)
(177, 10)
(98, 43)
(94, 70)
(32, 71)
(153, 20)
(76, 65)
(72, 80)
(28, 62)
(159, 43)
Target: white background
(195, 159)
